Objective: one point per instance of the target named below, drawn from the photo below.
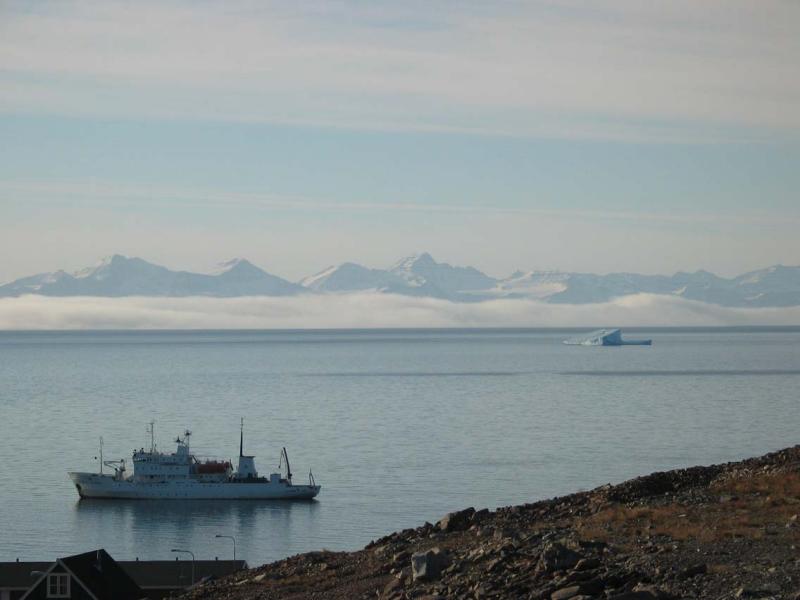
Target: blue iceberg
(606, 337)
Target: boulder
(592, 587)
(480, 515)
(557, 557)
(428, 565)
(640, 595)
(400, 557)
(566, 593)
(753, 593)
(456, 521)
(393, 589)
(587, 564)
(643, 592)
(693, 571)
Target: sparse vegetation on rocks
(719, 532)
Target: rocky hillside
(724, 531)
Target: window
(58, 585)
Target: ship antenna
(241, 438)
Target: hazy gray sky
(604, 136)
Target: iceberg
(606, 337)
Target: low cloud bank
(368, 310)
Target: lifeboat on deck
(212, 467)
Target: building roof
(102, 576)
(147, 574)
(17, 575)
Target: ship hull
(94, 485)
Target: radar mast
(151, 429)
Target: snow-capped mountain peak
(230, 264)
(348, 277)
(422, 270)
(417, 275)
(312, 280)
(409, 263)
(103, 264)
(119, 275)
(237, 266)
(533, 284)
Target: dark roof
(149, 574)
(18, 574)
(102, 576)
(177, 573)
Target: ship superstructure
(182, 475)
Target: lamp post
(233, 539)
(186, 552)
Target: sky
(598, 137)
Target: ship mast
(151, 429)
(241, 438)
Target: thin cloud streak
(102, 193)
(367, 310)
(612, 69)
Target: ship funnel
(247, 464)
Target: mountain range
(418, 275)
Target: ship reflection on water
(264, 530)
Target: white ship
(180, 475)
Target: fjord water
(399, 427)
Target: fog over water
(367, 310)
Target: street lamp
(186, 552)
(230, 537)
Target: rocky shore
(724, 531)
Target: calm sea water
(399, 427)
